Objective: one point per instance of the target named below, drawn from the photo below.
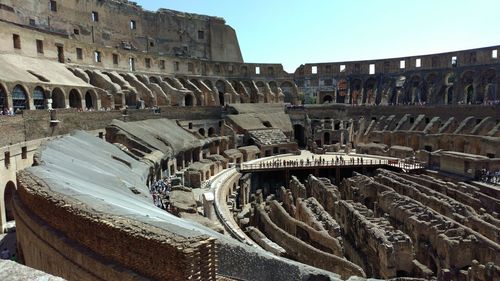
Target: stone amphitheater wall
(36, 124)
(97, 246)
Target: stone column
(208, 205)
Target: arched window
(327, 99)
(188, 100)
(39, 98)
(89, 101)
(58, 99)
(326, 138)
(201, 131)
(75, 100)
(19, 98)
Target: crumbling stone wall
(324, 191)
(303, 252)
(68, 227)
(298, 189)
(441, 243)
(386, 251)
(311, 212)
(318, 239)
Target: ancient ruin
(138, 145)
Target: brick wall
(35, 124)
(112, 239)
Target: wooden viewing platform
(277, 165)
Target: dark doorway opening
(299, 135)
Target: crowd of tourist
(8, 111)
(11, 112)
(489, 176)
(5, 254)
(160, 191)
(314, 161)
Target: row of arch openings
(20, 98)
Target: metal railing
(352, 162)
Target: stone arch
(326, 138)
(369, 91)
(75, 99)
(201, 131)
(118, 100)
(469, 96)
(19, 98)
(397, 96)
(327, 99)
(8, 193)
(206, 97)
(221, 90)
(188, 100)
(252, 90)
(273, 86)
(342, 87)
(449, 78)
(131, 99)
(287, 88)
(39, 99)
(431, 82)
(488, 79)
(277, 92)
(414, 92)
(299, 135)
(262, 89)
(58, 98)
(356, 89)
(286, 84)
(3, 98)
(142, 78)
(198, 94)
(170, 82)
(383, 93)
(91, 99)
(211, 132)
(467, 82)
(241, 91)
(154, 79)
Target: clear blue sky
(294, 32)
